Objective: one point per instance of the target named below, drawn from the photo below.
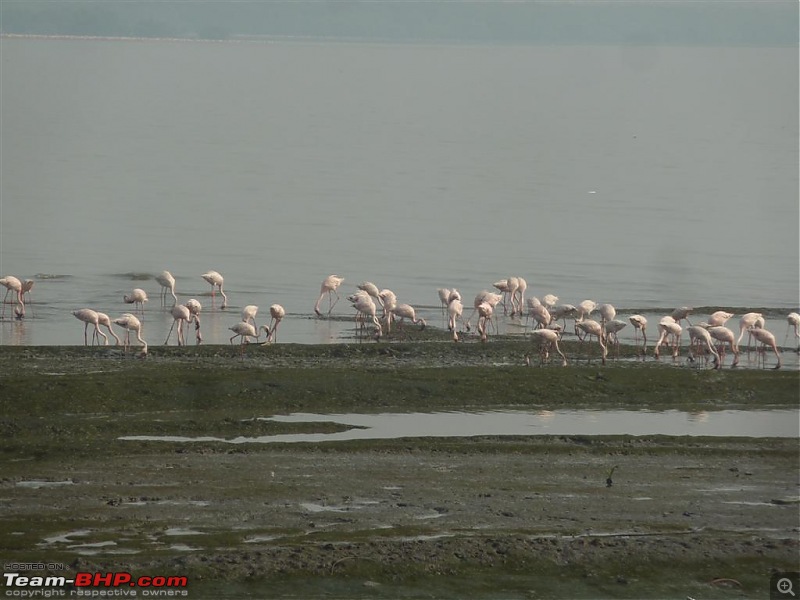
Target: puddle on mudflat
(34, 484)
(724, 423)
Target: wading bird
(793, 322)
(329, 286)
(406, 311)
(668, 327)
(167, 283)
(130, 323)
(103, 319)
(245, 330)
(195, 307)
(592, 327)
(249, 313)
(277, 312)
(767, 339)
(719, 317)
(27, 286)
(639, 324)
(747, 321)
(725, 336)
(90, 317)
(699, 336)
(137, 297)
(454, 309)
(547, 339)
(216, 281)
(180, 315)
(12, 284)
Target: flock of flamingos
(711, 339)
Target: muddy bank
(500, 517)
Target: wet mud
(484, 516)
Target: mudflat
(491, 516)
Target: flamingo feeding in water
(12, 284)
(406, 311)
(767, 339)
(180, 315)
(639, 324)
(216, 281)
(698, 336)
(103, 319)
(131, 323)
(329, 286)
(137, 297)
(547, 339)
(592, 327)
(195, 307)
(90, 317)
(454, 309)
(793, 322)
(277, 312)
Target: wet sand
(484, 516)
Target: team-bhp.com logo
(97, 585)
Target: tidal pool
(736, 423)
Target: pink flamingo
(27, 286)
(639, 324)
(277, 312)
(137, 297)
(612, 328)
(719, 317)
(90, 317)
(167, 283)
(329, 286)
(592, 327)
(215, 280)
(365, 307)
(767, 339)
(454, 309)
(406, 311)
(681, 314)
(249, 313)
(12, 284)
(131, 323)
(747, 321)
(547, 339)
(103, 319)
(180, 315)
(725, 336)
(485, 312)
(698, 336)
(668, 326)
(245, 330)
(195, 307)
(793, 321)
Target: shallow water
(737, 423)
(645, 177)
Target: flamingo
(502, 286)
(444, 298)
(549, 301)
(767, 339)
(365, 307)
(372, 290)
(562, 311)
(195, 307)
(27, 286)
(245, 330)
(698, 336)
(215, 280)
(607, 313)
(329, 286)
(103, 319)
(793, 321)
(547, 339)
(485, 312)
(513, 286)
(681, 314)
(540, 314)
(725, 336)
(406, 311)
(719, 317)
(454, 309)
(612, 328)
(277, 312)
(131, 323)
(167, 283)
(137, 297)
(639, 324)
(180, 314)
(480, 298)
(592, 327)
(249, 313)
(90, 317)
(522, 285)
(12, 284)
(388, 300)
(668, 326)
(747, 321)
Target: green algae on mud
(484, 516)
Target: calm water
(646, 177)
(764, 423)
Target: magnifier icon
(785, 586)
